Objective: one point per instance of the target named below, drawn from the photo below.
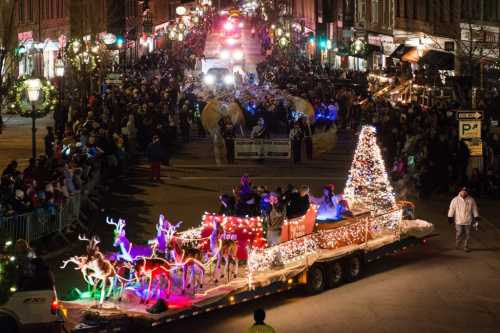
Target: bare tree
(8, 43)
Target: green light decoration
(283, 41)
(83, 55)
(8, 270)
(358, 47)
(18, 100)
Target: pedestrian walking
(296, 136)
(464, 213)
(259, 326)
(156, 155)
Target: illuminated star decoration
(368, 185)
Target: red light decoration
(247, 231)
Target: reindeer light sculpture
(128, 251)
(95, 268)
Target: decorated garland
(18, 100)
(79, 52)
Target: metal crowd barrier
(40, 223)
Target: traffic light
(311, 38)
(322, 43)
(120, 41)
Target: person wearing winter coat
(155, 153)
(464, 213)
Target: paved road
(15, 139)
(250, 46)
(433, 288)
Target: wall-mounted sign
(181, 11)
(109, 39)
(25, 36)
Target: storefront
(38, 56)
(381, 48)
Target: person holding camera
(464, 213)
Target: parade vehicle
(32, 306)
(227, 259)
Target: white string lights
(367, 184)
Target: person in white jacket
(464, 213)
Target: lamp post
(33, 87)
(59, 69)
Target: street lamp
(33, 87)
(59, 67)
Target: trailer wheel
(353, 268)
(315, 280)
(334, 274)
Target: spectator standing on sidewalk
(155, 155)
(259, 326)
(49, 141)
(296, 136)
(464, 213)
(229, 136)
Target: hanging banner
(260, 148)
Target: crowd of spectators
(104, 134)
(420, 145)
(424, 152)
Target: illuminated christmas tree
(368, 185)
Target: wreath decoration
(19, 103)
(79, 52)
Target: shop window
(21, 10)
(48, 63)
(491, 10)
(374, 12)
(30, 10)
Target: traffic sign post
(469, 115)
(469, 130)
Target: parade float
(247, 105)
(226, 259)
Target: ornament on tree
(368, 185)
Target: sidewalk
(15, 140)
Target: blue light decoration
(251, 108)
(328, 113)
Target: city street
(15, 140)
(143, 146)
(431, 288)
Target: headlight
(228, 79)
(238, 55)
(231, 41)
(209, 79)
(241, 25)
(224, 54)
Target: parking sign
(469, 129)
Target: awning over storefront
(400, 51)
(411, 56)
(442, 60)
